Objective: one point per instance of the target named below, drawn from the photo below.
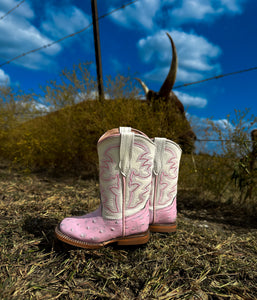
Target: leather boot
(125, 175)
(163, 198)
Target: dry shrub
(65, 140)
(226, 174)
(15, 108)
(237, 150)
(208, 176)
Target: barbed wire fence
(88, 26)
(216, 77)
(11, 10)
(223, 141)
(42, 113)
(67, 36)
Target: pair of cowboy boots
(138, 186)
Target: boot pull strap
(159, 150)
(126, 149)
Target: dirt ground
(213, 255)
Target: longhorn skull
(165, 94)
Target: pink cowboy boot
(163, 201)
(125, 175)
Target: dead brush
(65, 139)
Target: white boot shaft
(126, 164)
(164, 182)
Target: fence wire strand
(87, 27)
(216, 77)
(11, 10)
(232, 141)
(67, 36)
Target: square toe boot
(125, 176)
(163, 198)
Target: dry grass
(213, 255)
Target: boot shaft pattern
(126, 164)
(165, 173)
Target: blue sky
(212, 37)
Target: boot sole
(172, 227)
(137, 239)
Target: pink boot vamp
(164, 215)
(138, 222)
(93, 228)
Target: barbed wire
(232, 141)
(216, 77)
(87, 27)
(11, 10)
(67, 36)
(101, 17)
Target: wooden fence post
(97, 50)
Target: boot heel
(137, 239)
(163, 227)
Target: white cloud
(223, 124)
(23, 10)
(204, 127)
(195, 54)
(232, 6)
(141, 14)
(191, 101)
(202, 10)
(155, 14)
(60, 23)
(36, 106)
(40, 107)
(83, 96)
(19, 35)
(191, 10)
(4, 78)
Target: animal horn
(171, 77)
(144, 86)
